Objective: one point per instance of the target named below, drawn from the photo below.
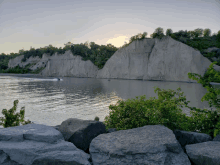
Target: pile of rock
(86, 142)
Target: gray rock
(154, 59)
(15, 61)
(38, 144)
(214, 59)
(212, 49)
(207, 153)
(150, 144)
(69, 65)
(218, 53)
(81, 132)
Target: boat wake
(42, 79)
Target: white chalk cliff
(69, 65)
(147, 59)
(154, 59)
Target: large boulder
(81, 132)
(38, 144)
(155, 59)
(151, 144)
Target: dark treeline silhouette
(199, 39)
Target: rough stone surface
(35, 61)
(154, 59)
(81, 132)
(16, 61)
(212, 49)
(144, 145)
(151, 144)
(37, 144)
(69, 65)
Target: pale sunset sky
(39, 23)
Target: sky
(39, 23)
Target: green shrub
(134, 113)
(96, 118)
(12, 119)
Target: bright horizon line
(82, 43)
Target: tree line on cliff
(199, 39)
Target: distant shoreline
(38, 75)
(20, 75)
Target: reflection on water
(48, 101)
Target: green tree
(218, 36)
(94, 46)
(144, 35)
(198, 32)
(158, 33)
(207, 32)
(133, 38)
(169, 32)
(191, 34)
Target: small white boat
(59, 79)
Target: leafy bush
(12, 119)
(96, 118)
(164, 110)
(137, 113)
(17, 69)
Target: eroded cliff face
(129, 62)
(59, 65)
(154, 59)
(69, 65)
(148, 59)
(35, 61)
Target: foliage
(139, 36)
(213, 118)
(99, 54)
(164, 110)
(4, 59)
(169, 32)
(207, 32)
(12, 119)
(16, 69)
(96, 118)
(137, 113)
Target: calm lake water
(50, 102)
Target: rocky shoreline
(87, 142)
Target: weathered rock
(218, 52)
(35, 62)
(16, 61)
(69, 65)
(58, 65)
(151, 144)
(37, 144)
(81, 132)
(212, 49)
(154, 59)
